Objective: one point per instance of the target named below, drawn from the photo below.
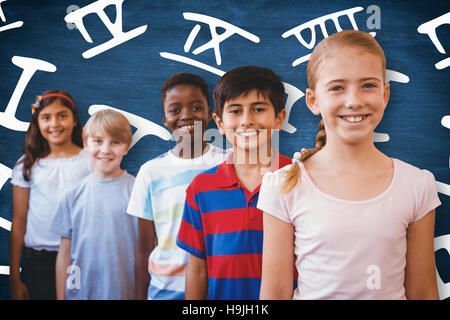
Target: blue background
(129, 76)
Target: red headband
(48, 95)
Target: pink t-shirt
(351, 249)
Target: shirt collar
(226, 177)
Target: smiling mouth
(354, 118)
(188, 128)
(56, 133)
(248, 134)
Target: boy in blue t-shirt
(98, 239)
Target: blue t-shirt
(104, 238)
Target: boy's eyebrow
(259, 102)
(175, 103)
(335, 80)
(240, 105)
(196, 101)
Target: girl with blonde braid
(361, 224)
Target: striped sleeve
(191, 236)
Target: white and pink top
(351, 249)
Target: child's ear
(386, 93)
(311, 102)
(210, 114)
(219, 123)
(164, 120)
(279, 119)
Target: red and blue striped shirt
(222, 224)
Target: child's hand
(18, 290)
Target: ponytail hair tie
(36, 105)
(297, 157)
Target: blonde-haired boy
(98, 239)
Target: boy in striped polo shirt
(221, 228)
(159, 191)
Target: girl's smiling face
(56, 123)
(350, 94)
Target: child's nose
(353, 99)
(186, 114)
(105, 147)
(247, 118)
(54, 121)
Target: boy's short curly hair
(242, 80)
(188, 79)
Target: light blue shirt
(104, 238)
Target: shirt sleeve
(270, 199)
(191, 236)
(17, 178)
(140, 204)
(62, 220)
(427, 199)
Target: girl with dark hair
(52, 159)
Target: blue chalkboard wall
(128, 76)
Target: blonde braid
(292, 176)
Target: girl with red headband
(52, 159)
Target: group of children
(339, 221)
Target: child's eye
(116, 142)
(197, 108)
(369, 85)
(174, 111)
(259, 109)
(235, 111)
(336, 88)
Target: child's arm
(277, 260)
(420, 273)
(145, 247)
(196, 279)
(63, 261)
(18, 290)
